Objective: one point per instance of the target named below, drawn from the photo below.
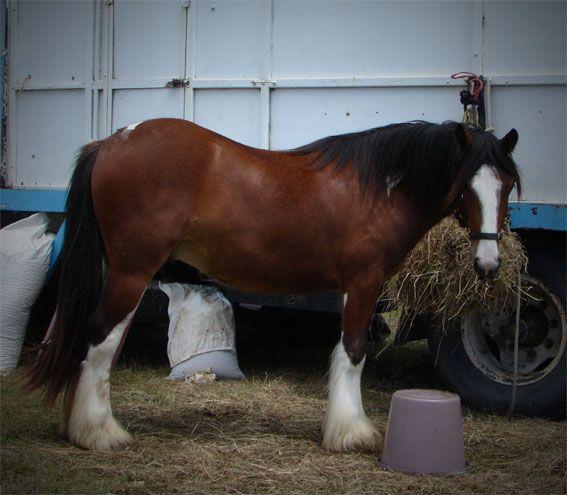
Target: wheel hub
(489, 338)
(534, 326)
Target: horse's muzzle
(486, 270)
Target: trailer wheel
(476, 356)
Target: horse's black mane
(423, 158)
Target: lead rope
(516, 339)
(473, 98)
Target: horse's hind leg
(88, 419)
(346, 426)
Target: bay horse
(339, 214)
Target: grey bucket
(425, 433)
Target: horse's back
(171, 164)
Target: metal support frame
(304, 82)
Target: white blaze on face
(487, 185)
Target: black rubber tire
(544, 398)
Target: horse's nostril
(477, 264)
(494, 271)
(478, 269)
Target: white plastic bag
(201, 332)
(25, 248)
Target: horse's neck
(415, 223)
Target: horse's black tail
(58, 362)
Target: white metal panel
(49, 132)
(525, 37)
(53, 44)
(363, 38)
(229, 38)
(136, 105)
(312, 62)
(539, 115)
(149, 39)
(234, 113)
(303, 115)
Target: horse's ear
(464, 138)
(509, 141)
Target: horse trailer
(277, 74)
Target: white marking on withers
(487, 185)
(346, 426)
(131, 127)
(91, 424)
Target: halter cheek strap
(477, 236)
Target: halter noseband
(478, 236)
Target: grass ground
(263, 435)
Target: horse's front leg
(346, 426)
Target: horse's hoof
(107, 438)
(360, 434)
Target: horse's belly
(240, 265)
(193, 254)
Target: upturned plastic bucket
(425, 433)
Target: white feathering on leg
(346, 426)
(91, 424)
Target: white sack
(25, 248)
(201, 332)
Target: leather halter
(478, 236)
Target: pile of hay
(438, 277)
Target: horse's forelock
(486, 149)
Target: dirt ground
(262, 435)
